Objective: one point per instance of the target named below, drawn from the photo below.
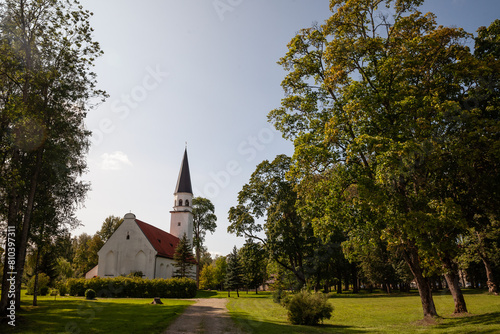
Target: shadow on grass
(412, 293)
(471, 320)
(80, 316)
(251, 325)
(205, 294)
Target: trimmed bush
(305, 308)
(89, 294)
(134, 287)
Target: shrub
(134, 287)
(44, 290)
(62, 288)
(89, 294)
(278, 295)
(43, 282)
(305, 308)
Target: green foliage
(183, 257)
(234, 274)
(253, 258)
(43, 283)
(396, 139)
(204, 220)
(306, 308)
(44, 290)
(109, 227)
(48, 86)
(62, 288)
(207, 278)
(279, 295)
(123, 287)
(136, 274)
(90, 294)
(220, 271)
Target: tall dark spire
(184, 180)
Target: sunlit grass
(374, 314)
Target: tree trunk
(424, 288)
(23, 244)
(492, 287)
(355, 281)
(35, 287)
(456, 292)
(452, 279)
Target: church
(138, 246)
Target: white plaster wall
(164, 267)
(127, 251)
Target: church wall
(127, 251)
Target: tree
(376, 105)
(46, 55)
(234, 274)
(207, 277)
(253, 258)
(288, 239)
(81, 260)
(109, 226)
(220, 271)
(203, 220)
(183, 258)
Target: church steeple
(184, 179)
(181, 217)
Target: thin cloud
(114, 161)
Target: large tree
(287, 239)
(254, 260)
(376, 104)
(46, 55)
(204, 219)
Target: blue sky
(202, 72)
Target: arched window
(187, 202)
(180, 202)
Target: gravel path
(206, 316)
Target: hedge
(133, 287)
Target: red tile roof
(163, 242)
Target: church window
(128, 236)
(179, 224)
(187, 202)
(180, 202)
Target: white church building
(138, 246)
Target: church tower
(181, 218)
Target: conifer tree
(183, 258)
(234, 274)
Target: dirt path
(206, 316)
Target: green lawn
(373, 314)
(104, 315)
(360, 313)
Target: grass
(257, 313)
(104, 315)
(373, 314)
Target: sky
(205, 73)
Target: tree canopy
(47, 87)
(386, 110)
